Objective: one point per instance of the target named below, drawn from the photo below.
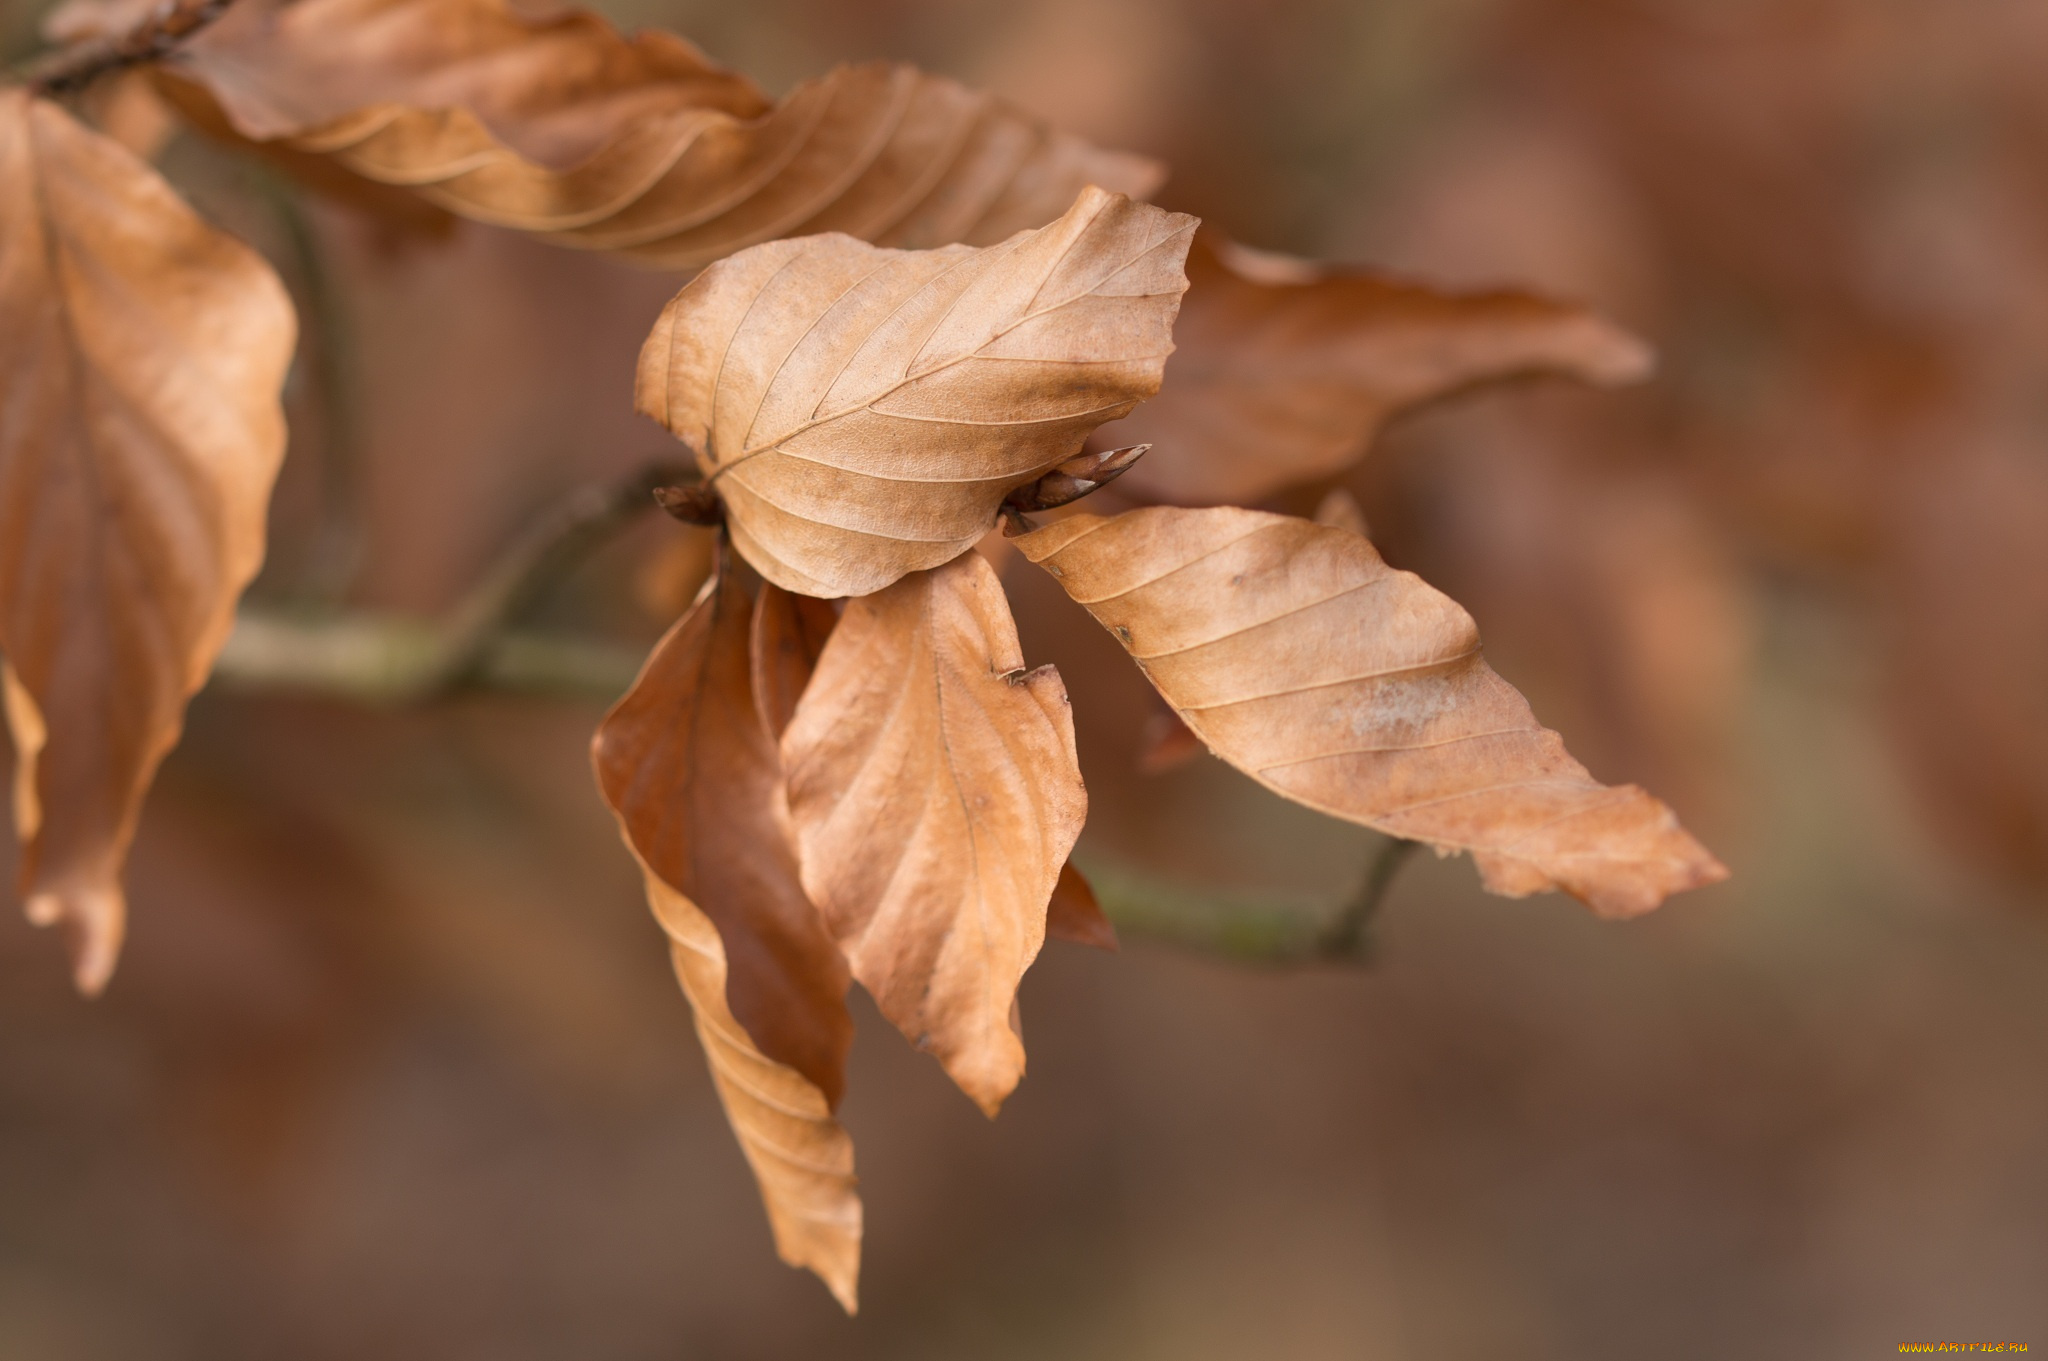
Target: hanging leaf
(789, 634)
(141, 358)
(935, 793)
(1286, 369)
(863, 412)
(1302, 659)
(692, 773)
(691, 770)
(802, 1157)
(641, 147)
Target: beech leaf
(1301, 658)
(863, 412)
(641, 147)
(935, 793)
(789, 635)
(801, 1155)
(1286, 369)
(1074, 915)
(693, 773)
(142, 354)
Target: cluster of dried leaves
(917, 306)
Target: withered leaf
(1286, 369)
(1301, 658)
(1074, 915)
(789, 634)
(935, 793)
(640, 147)
(802, 1157)
(142, 354)
(693, 773)
(863, 412)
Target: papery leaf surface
(936, 793)
(690, 769)
(142, 354)
(863, 412)
(694, 775)
(639, 146)
(1296, 654)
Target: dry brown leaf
(142, 354)
(1301, 658)
(789, 634)
(693, 775)
(865, 411)
(692, 771)
(935, 793)
(640, 147)
(1286, 369)
(802, 1157)
(1074, 915)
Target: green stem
(1346, 936)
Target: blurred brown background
(394, 1067)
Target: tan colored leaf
(694, 776)
(640, 147)
(802, 1157)
(1074, 915)
(141, 358)
(1286, 369)
(935, 793)
(864, 412)
(1301, 658)
(789, 634)
(695, 780)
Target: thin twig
(1346, 937)
(167, 27)
(391, 659)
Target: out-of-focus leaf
(935, 793)
(142, 354)
(641, 147)
(1285, 369)
(1301, 658)
(863, 412)
(1074, 915)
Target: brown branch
(168, 26)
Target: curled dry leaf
(1285, 369)
(692, 772)
(1301, 658)
(1074, 915)
(142, 354)
(789, 636)
(863, 412)
(641, 147)
(690, 769)
(801, 1155)
(935, 793)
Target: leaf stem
(1346, 937)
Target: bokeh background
(394, 1066)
